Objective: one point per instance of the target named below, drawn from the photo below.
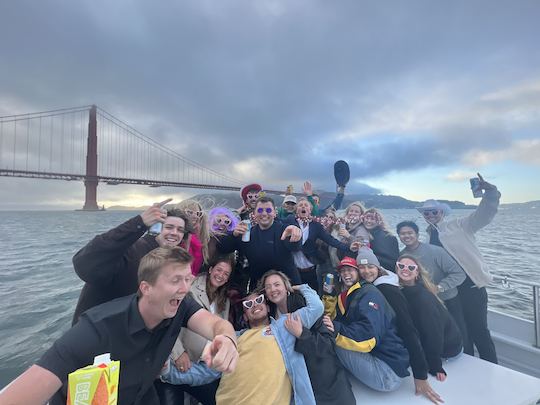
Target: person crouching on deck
(367, 343)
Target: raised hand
(293, 232)
(243, 209)
(155, 213)
(308, 188)
(484, 185)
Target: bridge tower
(91, 179)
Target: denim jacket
(294, 361)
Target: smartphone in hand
(475, 187)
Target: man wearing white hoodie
(456, 236)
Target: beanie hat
(366, 256)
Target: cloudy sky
(417, 96)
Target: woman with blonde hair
(199, 222)
(350, 229)
(328, 379)
(383, 243)
(438, 331)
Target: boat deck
(470, 381)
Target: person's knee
(390, 383)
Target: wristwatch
(440, 288)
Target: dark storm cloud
(379, 155)
(222, 82)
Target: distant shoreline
(233, 200)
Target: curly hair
(215, 212)
(203, 234)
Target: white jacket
(457, 237)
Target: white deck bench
(470, 381)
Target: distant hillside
(529, 204)
(369, 200)
(233, 200)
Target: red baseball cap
(347, 261)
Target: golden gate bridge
(63, 145)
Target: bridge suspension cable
(88, 143)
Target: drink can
(246, 236)
(475, 187)
(328, 284)
(155, 229)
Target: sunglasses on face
(410, 267)
(257, 300)
(252, 196)
(268, 210)
(224, 221)
(190, 213)
(430, 212)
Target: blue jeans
(369, 370)
(198, 374)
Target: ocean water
(39, 288)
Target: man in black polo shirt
(139, 330)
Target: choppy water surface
(39, 288)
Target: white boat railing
(506, 281)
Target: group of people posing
(285, 304)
